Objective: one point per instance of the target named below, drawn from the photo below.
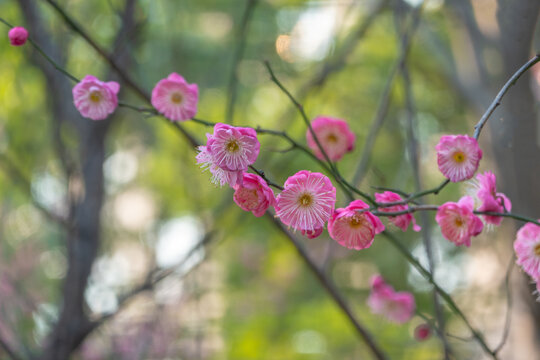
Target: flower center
(356, 221)
(176, 98)
(459, 222)
(305, 200)
(331, 138)
(459, 156)
(537, 249)
(95, 96)
(232, 146)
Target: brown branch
(498, 99)
(446, 297)
(424, 221)
(346, 187)
(117, 67)
(331, 289)
(112, 62)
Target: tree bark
(514, 129)
(83, 235)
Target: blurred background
(135, 207)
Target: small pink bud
(422, 332)
(312, 234)
(18, 36)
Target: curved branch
(497, 101)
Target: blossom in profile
(527, 248)
(233, 148)
(458, 222)
(422, 332)
(306, 202)
(353, 228)
(18, 36)
(253, 194)
(401, 221)
(397, 307)
(94, 98)
(458, 156)
(175, 98)
(219, 176)
(335, 136)
(492, 201)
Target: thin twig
(347, 188)
(508, 318)
(117, 68)
(103, 53)
(497, 101)
(263, 175)
(49, 59)
(294, 144)
(415, 208)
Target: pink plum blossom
(352, 228)
(95, 99)
(458, 222)
(233, 148)
(254, 194)
(335, 136)
(219, 176)
(397, 307)
(401, 221)
(458, 157)
(175, 98)
(306, 202)
(527, 248)
(491, 200)
(17, 36)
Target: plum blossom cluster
(459, 222)
(458, 158)
(172, 97)
(397, 307)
